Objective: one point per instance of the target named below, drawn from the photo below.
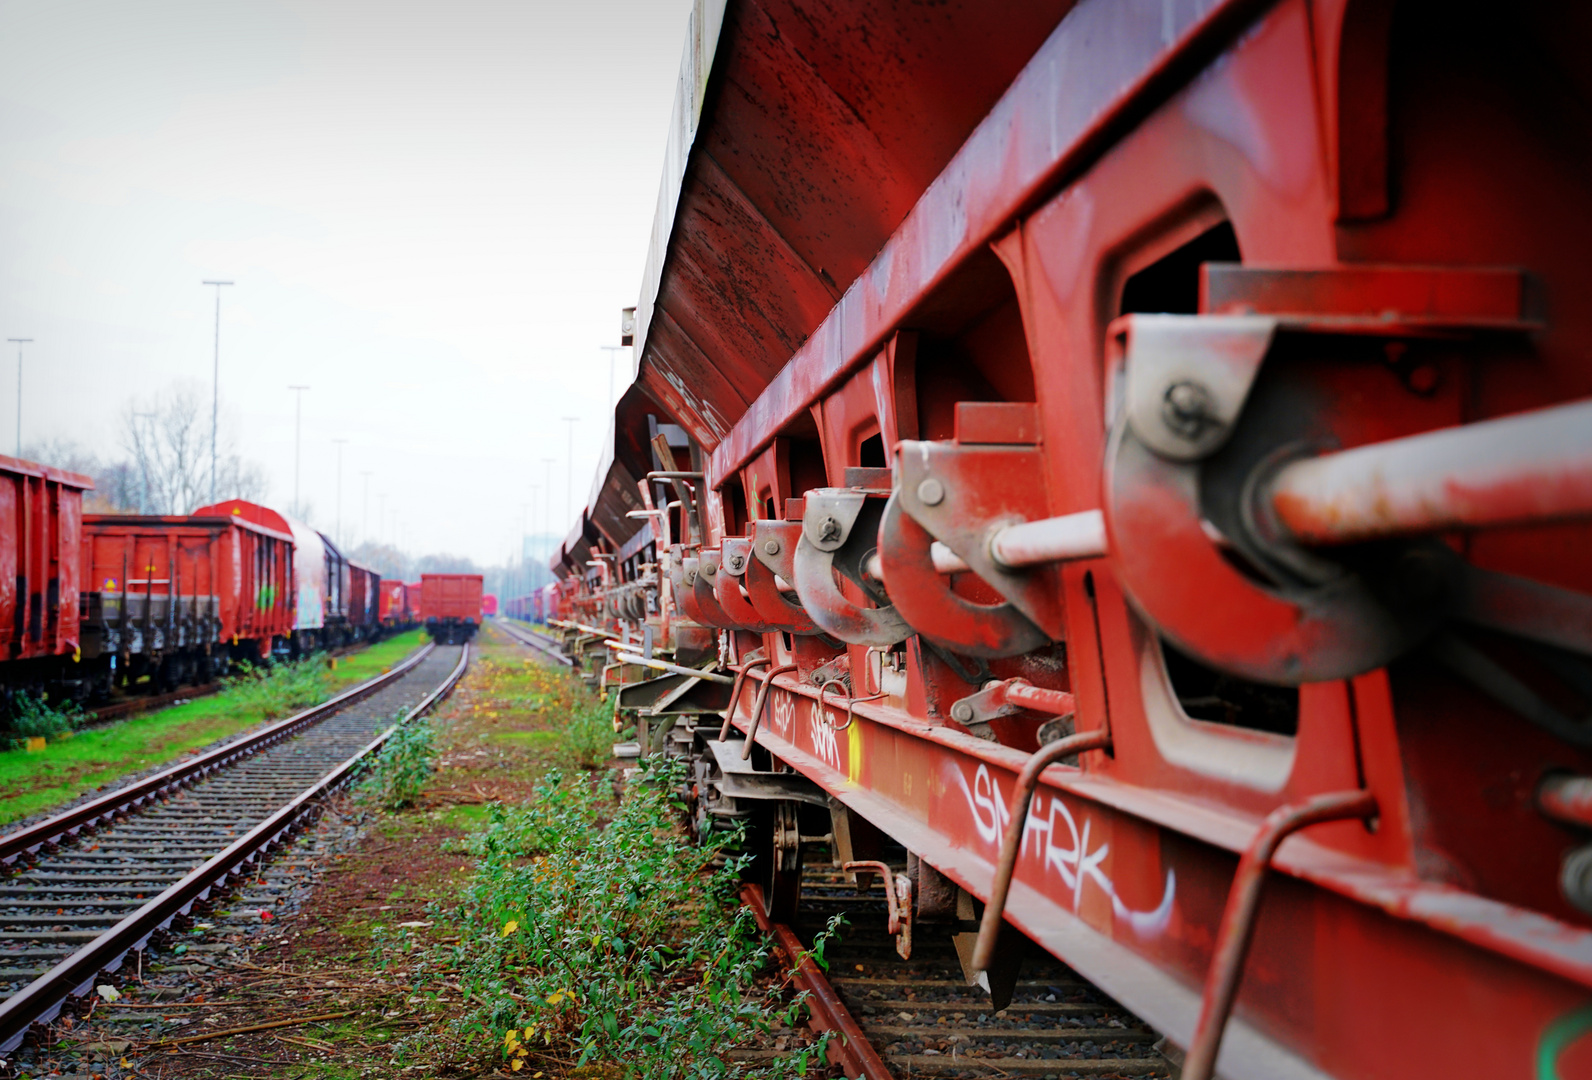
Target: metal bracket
(898, 894)
(815, 568)
(1188, 376)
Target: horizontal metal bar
(1567, 798)
(1533, 467)
(1057, 539)
(673, 474)
(677, 669)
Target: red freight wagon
(180, 598)
(41, 514)
(364, 601)
(393, 609)
(489, 604)
(451, 606)
(412, 601)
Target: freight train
(90, 602)
(452, 606)
(1133, 460)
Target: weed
(590, 732)
(608, 941)
(275, 689)
(33, 717)
(404, 765)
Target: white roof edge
(690, 91)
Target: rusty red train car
(451, 606)
(41, 516)
(180, 599)
(1137, 458)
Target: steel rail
(534, 640)
(71, 822)
(41, 1000)
(856, 1054)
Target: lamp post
(298, 440)
(19, 342)
(215, 388)
(340, 443)
(547, 503)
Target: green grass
(33, 782)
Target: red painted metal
(1198, 271)
(1238, 918)
(41, 511)
(165, 585)
(450, 596)
(1012, 836)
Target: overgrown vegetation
(34, 782)
(589, 941)
(34, 717)
(403, 766)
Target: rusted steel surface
(41, 515)
(1224, 390)
(851, 1047)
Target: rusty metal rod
(1238, 919)
(857, 1057)
(1033, 543)
(757, 707)
(675, 669)
(1567, 798)
(1011, 842)
(1534, 467)
(735, 694)
(1056, 702)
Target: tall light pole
(215, 388)
(340, 443)
(19, 342)
(569, 479)
(547, 502)
(298, 440)
(364, 519)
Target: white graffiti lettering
(1049, 830)
(822, 725)
(784, 709)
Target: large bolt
(1186, 410)
(828, 528)
(961, 712)
(709, 569)
(737, 561)
(771, 547)
(931, 492)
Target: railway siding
(170, 853)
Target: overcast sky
(433, 211)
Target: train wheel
(777, 867)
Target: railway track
(96, 881)
(920, 1018)
(526, 636)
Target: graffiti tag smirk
(1052, 831)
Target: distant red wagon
(41, 515)
(450, 604)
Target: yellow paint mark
(854, 752)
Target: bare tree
(168, 442)
(116, 486)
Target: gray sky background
(433, 212)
